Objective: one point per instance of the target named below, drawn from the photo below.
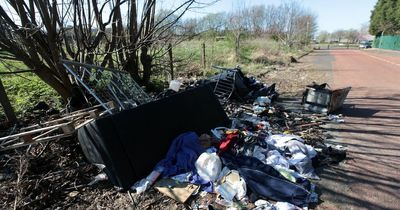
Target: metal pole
(88, 89)
(380, 39)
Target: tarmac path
(370, 177)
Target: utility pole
(5, 103)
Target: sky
(332, 14)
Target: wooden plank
(69, 117)
(26, 140)
(41, 140)
(66, 117)
(82, 124)
(83, 110)
(33, 131)
(69, 128)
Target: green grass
(26, 90)
(255, 54)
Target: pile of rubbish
(221, 143)
(266, 154)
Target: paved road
(370, 178)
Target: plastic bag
(262, 101)
(208, 166)
(301, 158)
(276, 159)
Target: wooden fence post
(5, 102)
(203, 54)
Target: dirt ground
(291, 80)
(57, 175)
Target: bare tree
(323, 36)
(108, 33)
(257, 16)
(338, 35)
(215, 22)
(291, 23)
(351, 35)
(237, 24)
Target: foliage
(385, 18)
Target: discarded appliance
(320, 99)
(130, 143)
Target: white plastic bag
(280, 140)
(262, 101)
(276, 159)
(175, 85)
(301, 158)
(208, 166)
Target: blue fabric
(205, 185)
(182, 155)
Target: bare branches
(105, 32)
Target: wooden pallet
(62, 127)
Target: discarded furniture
(324, 100)
(130, 143)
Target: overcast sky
(332, 15)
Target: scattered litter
(208, 166)
(263, 149)
(285, 206)
(180, 191)
(336, 118)
(265, 205)
(98, 178)
(182, 177)
(232, 185)
(175, 85)
(144, 184)
(262, 101)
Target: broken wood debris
(55, 129)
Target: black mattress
(130, 143)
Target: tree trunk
(146, 60)
(171, 61)
(5, 102)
